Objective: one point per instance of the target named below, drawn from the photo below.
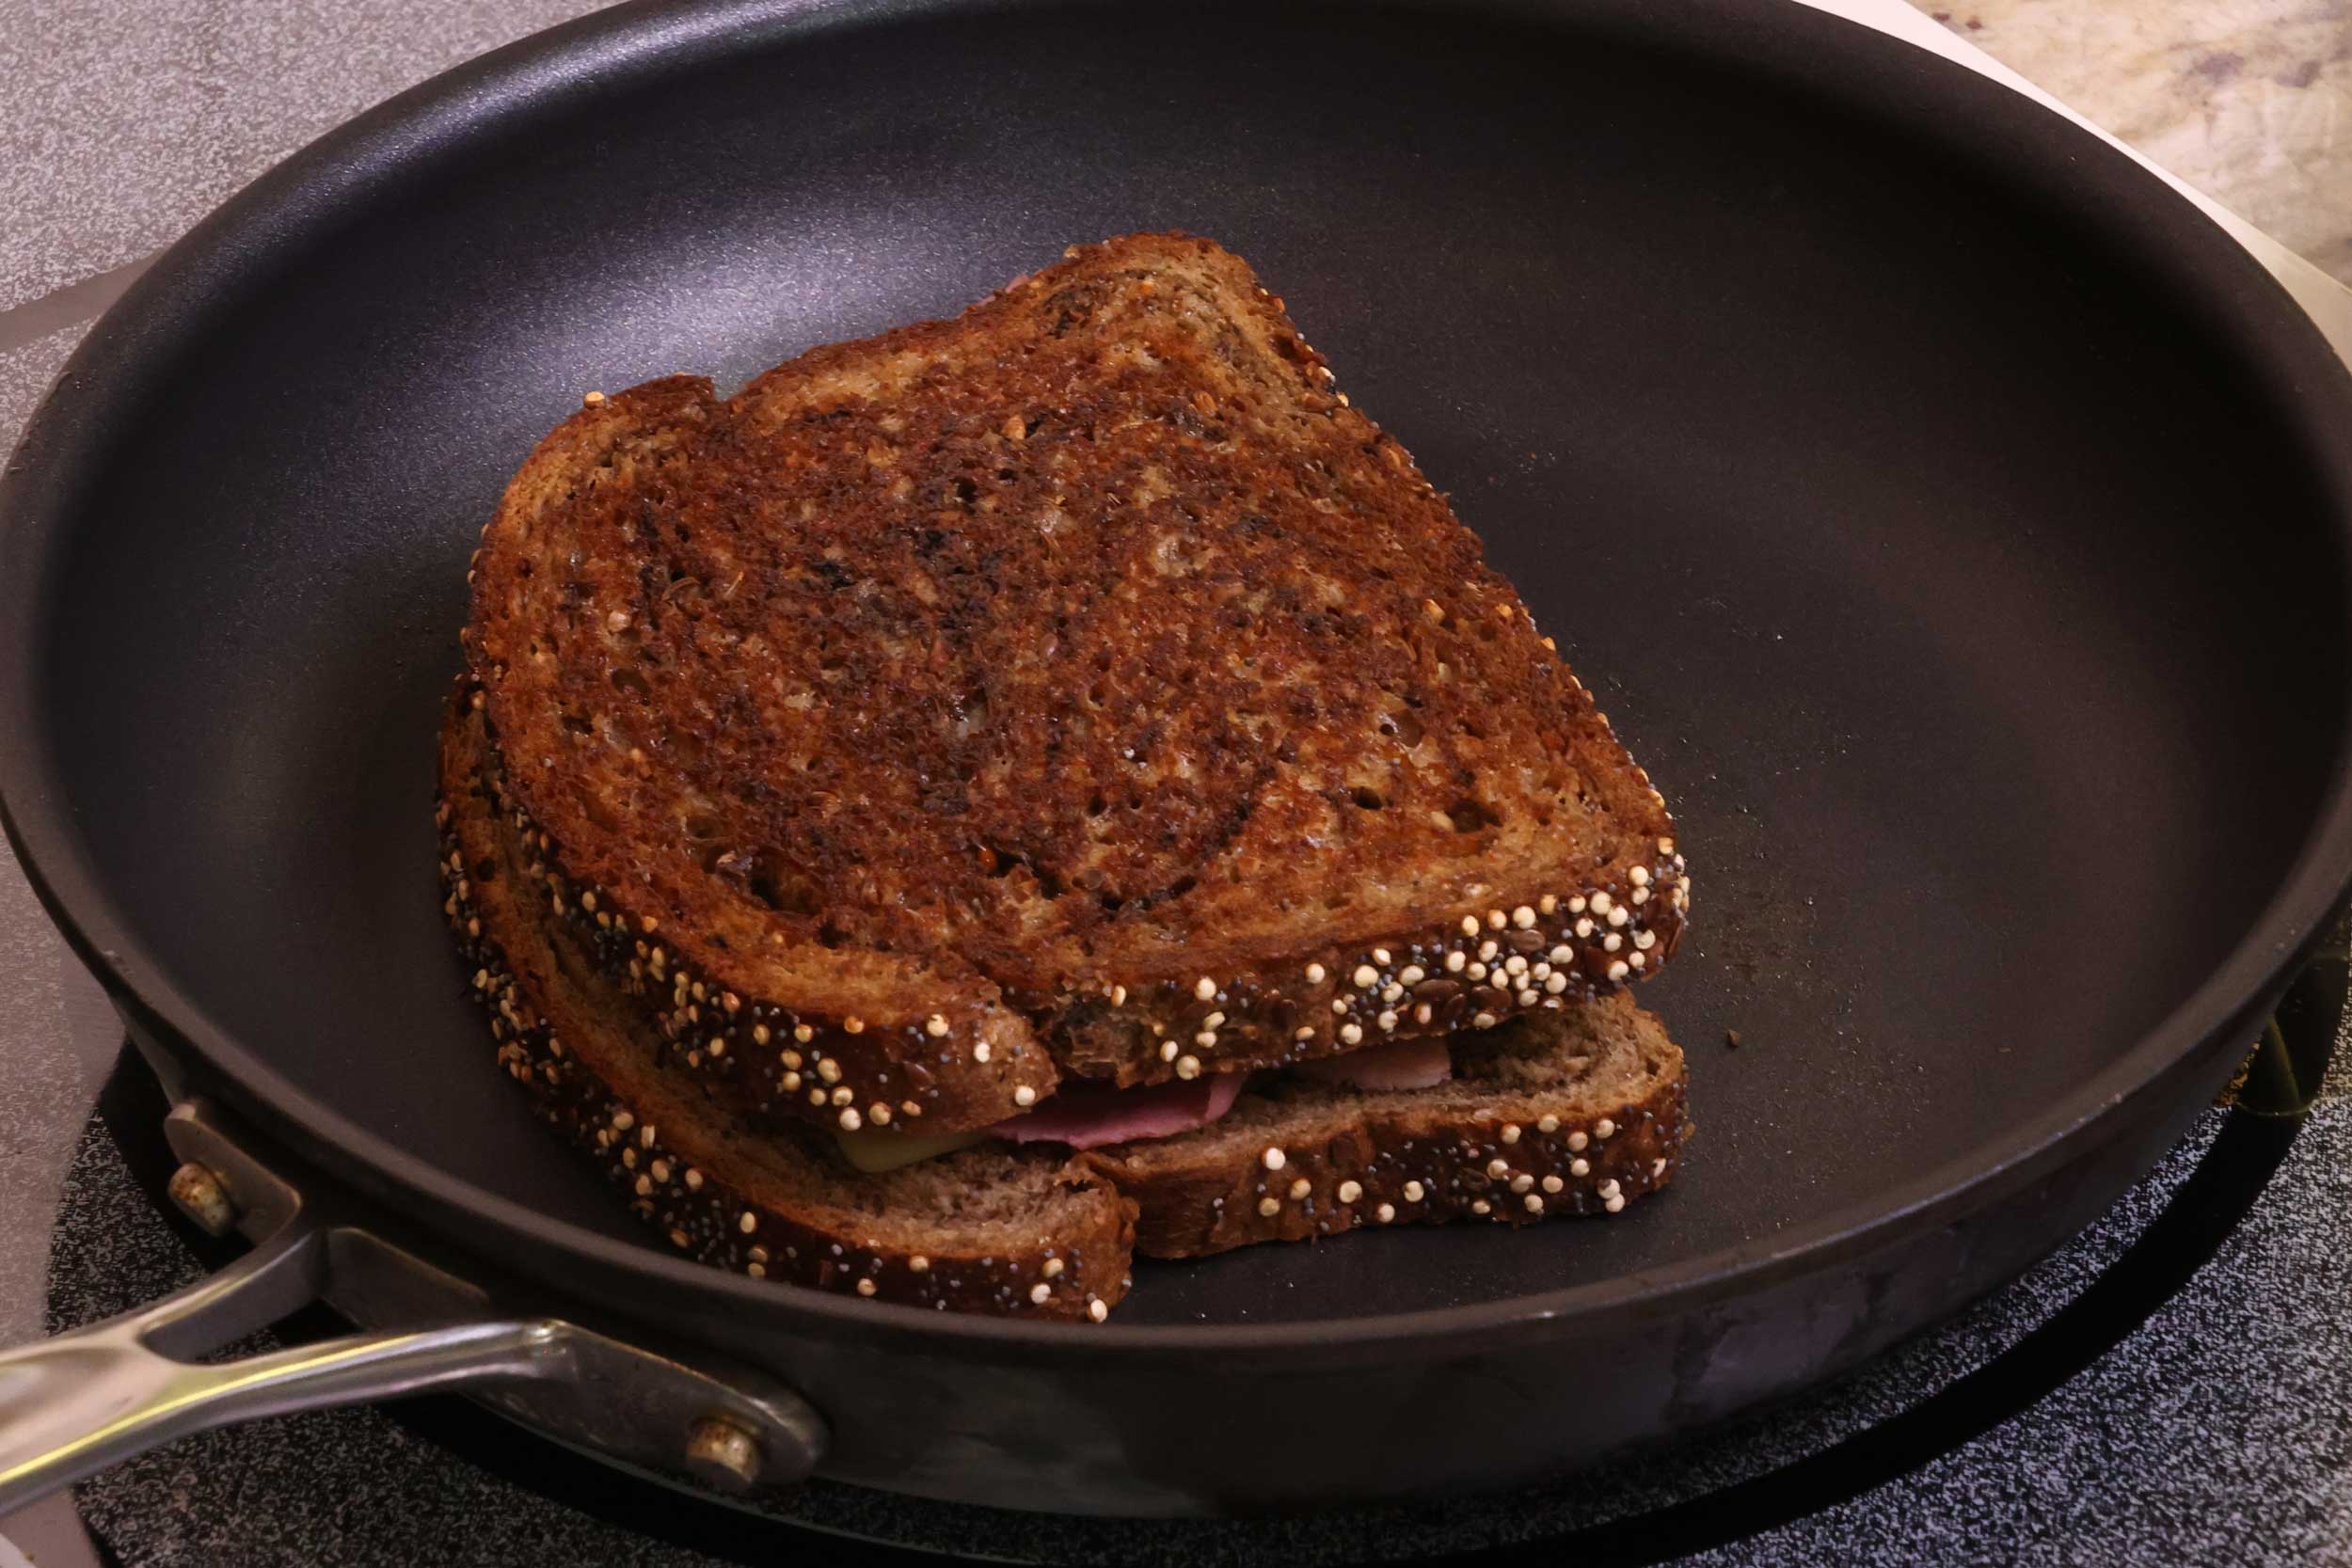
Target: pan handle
(74, 1404)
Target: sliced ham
(1087, 1116)
(1400, 1065)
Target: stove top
(2174, 1384)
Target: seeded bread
(1576, 1112)
(1078, 686)
(990, 1230)
(1582, 1106)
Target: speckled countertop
(2249, 101)
(2221, 1427)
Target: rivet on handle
(200, 1195)
(723, 1452)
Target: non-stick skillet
(1957, 526)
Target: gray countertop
(2220, 1425)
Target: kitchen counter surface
(2249, 101)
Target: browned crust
(775, 1065)
(1460, 970)
(929, 1041)
(669, 1157)
(1400, 1162)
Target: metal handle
(71, 1405)
(74, 1405)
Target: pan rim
(633, 42)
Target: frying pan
(1953, 520)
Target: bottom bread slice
(990, 1228)
(1574, 1111)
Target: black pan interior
(1965, 589)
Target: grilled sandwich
(1060, 768)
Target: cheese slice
(876, 1153)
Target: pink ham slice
(1400, 1065)
(1087, 1116)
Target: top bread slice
(1078, 685)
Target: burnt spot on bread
(1468, 816)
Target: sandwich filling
(1095, 1115)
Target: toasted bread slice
(1573, 1111)
(1583, 1104)
(990, 1230)
(1076, 686)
